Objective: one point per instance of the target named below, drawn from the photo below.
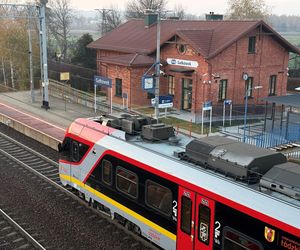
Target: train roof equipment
(259, 169)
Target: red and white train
(183, 193)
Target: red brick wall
(270, 59)
(199, 75)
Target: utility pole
(43, 46)
(30, 62)
(104, 26)
(157, 74)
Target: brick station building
(202, 61)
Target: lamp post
(157, 68)
(246, 109)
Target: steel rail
(34, 242)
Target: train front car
(181, 193)
(95, 160)
(79, 151)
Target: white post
(111, 100)
(95, 98)
(210, 120)
(230, 114)
(202, 122)
(223, 115)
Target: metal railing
(66, 92)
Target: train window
(234, 240)
(158, 197)
(75, 151)
(82, 150)
(186, 215)
(127, 182)
(65, 151)
(204, 224)
(107, 172)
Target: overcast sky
(197, 7)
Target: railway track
(29, 158)
(13, 236)
(44, 173)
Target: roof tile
(207, 37)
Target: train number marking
(187, 194)
(174, 210)
(217, 232)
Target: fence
(66, 92)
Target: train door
(74, 158)
(185, 230)
(204, 215)
(195, 221)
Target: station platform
(18, 111)
(47, 126)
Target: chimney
(212, 16)
(150, 18)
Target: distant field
(78, 33)
(292, 37)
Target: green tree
(84, 56)
(247, 9)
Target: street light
(157, 74)
(246, 109)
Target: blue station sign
(102, 81)
(207, 105)
(165, 101)
(227, 102)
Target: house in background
(202, 60)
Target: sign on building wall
(65, 76)
(184, 63)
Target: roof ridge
(185, 29)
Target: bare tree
(136, 8)
(179, 12)
(59, 23)
(14, 53)
(247, 9)
(114, 18)
(109, 19)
